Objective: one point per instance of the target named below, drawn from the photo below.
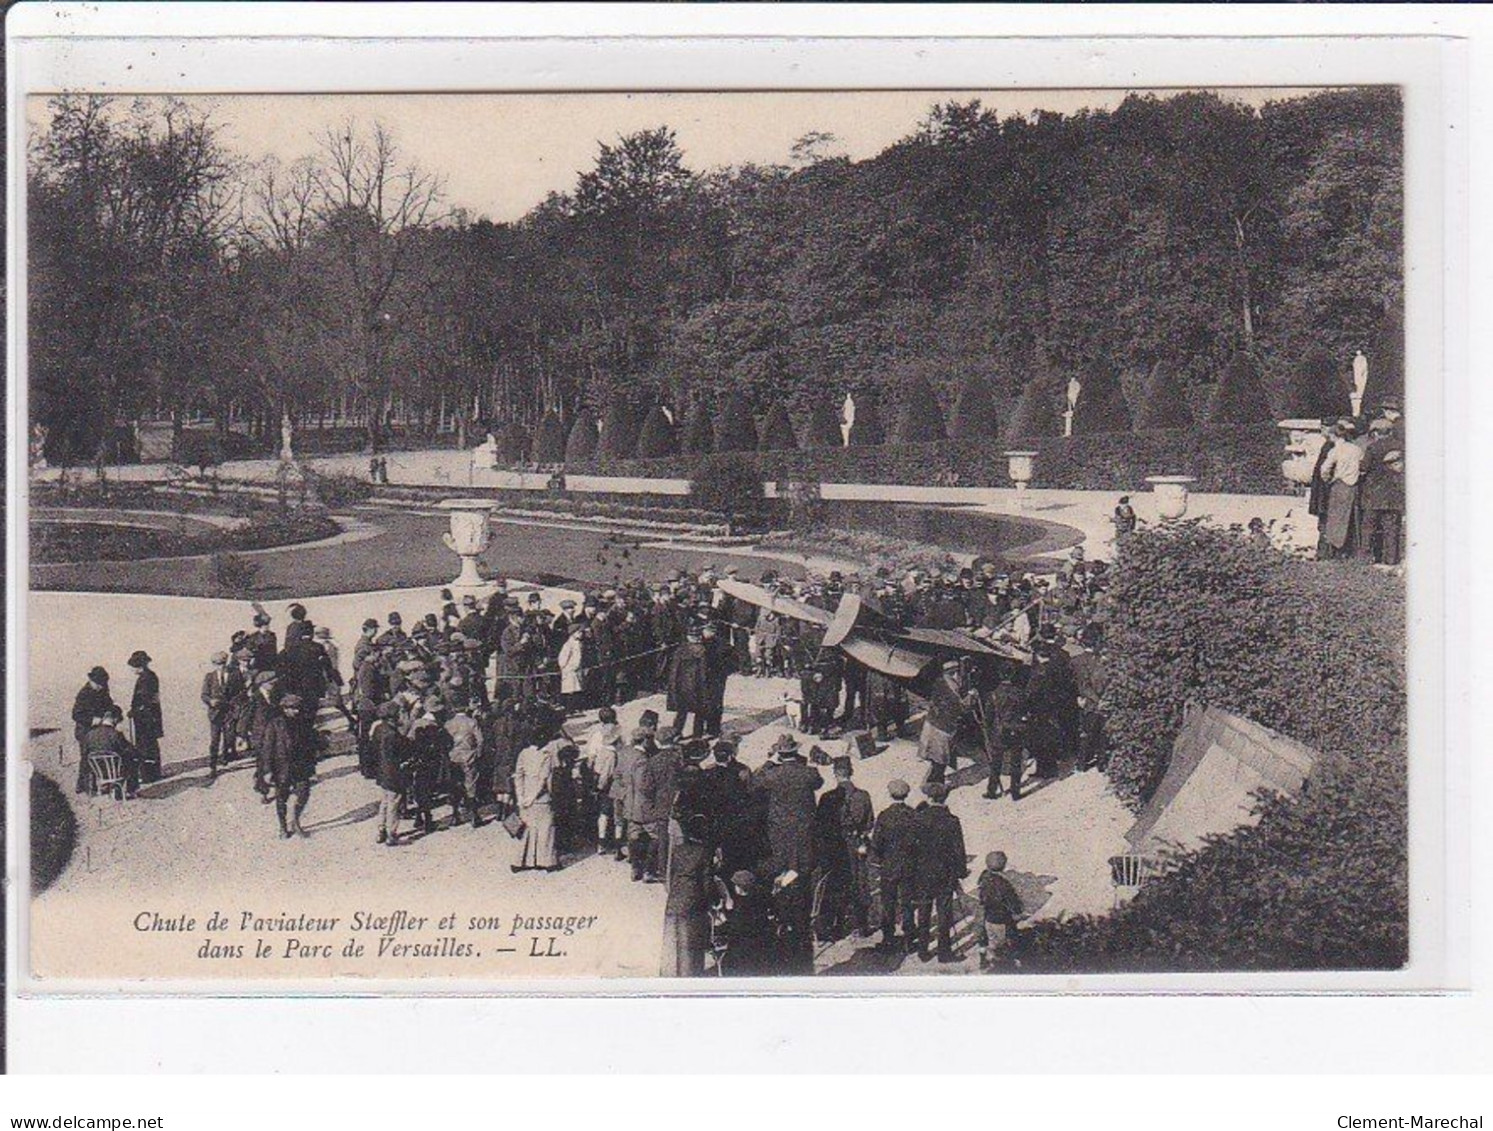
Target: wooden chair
(1129, 871)
(108, 774)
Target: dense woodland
(1147, 250)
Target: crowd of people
(469, 708)
(1358, 487)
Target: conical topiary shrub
(975, 415)
(549, 440)
(1239, 397)
(657, 439)
(581, 444)
(513, 444)
(1101, 407)
(866, 431)
(619, 431)
(1036, 412)
(1163, 401)
(1386, 356)
(1317, 387)
(824, 426)
(921, 420)
(735, 430)
(699, 432)
(777, 431)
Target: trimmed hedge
(581, 445)
(1101, 408)
(1232, 460)
(1036, 412)
(736, 430)
(824, 426)
(549, 440)
(1317, 389)
(619, 431)
(1313, 650)
(866, 430)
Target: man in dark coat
(92, 702)
(1381, 493)
(370, 689)
(941, 864)
(894, 844)
(790, 785)
(720, 662)
(145, 714)
(305, 671)
(843, 822)
(104, 738)
(689, 682)
(221, 688)
(254, 726)
(1005, 734)
(292, 762)
(725, 797)
(1321, 489)
(1091, 678)
(388, 756)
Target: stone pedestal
(469, 537)
(1171, 495)
(1019, 468)
(1303, 441)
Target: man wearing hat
(394, 639)
(92, 702)
(843, 823)
(791, 786)
(941, 864)
(104, 738)
(145, 715)
(366, 642)
(388, 756)
(221, 688)
(894, 844)
(291, 762)
(688, 683)
(465, 755)
(254, 723)
(1382, 492)
(517, 656)
(649, 799)
(947, 703)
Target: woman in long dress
(531, 791)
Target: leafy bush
(975, 416)
(777, 430)
(231, 575)
(1240, 396)
(736, 431)
(1317, 388)
(730, 485)
(657, 439)
(54, 832)
(921, 420)
(337, 489)
(699, 431)
(1163, 401)
(549, 440)
(619, 431)
(1313, 650)
(824, 426)
(199, 448)
(866, 431)
(581, 444)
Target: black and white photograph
(718, 535)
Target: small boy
(996, 927)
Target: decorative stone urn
(470, 535)
(1019, 468)
(1171, 494)
(1303, 444)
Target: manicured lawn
(407, 553)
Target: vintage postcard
(481, 539)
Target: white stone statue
(1360, 380)
(1075, 387)
(847, 418)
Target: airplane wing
(775, 602)
(956, 641)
